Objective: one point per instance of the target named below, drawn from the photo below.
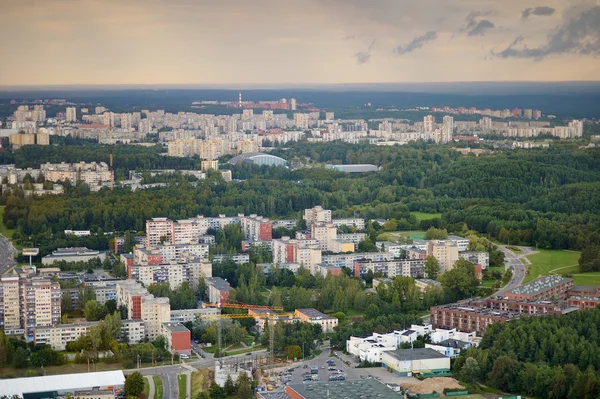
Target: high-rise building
(126, 121)
(447, 129)
(446, 253)
(292, 104)
(10, 303)
(528, 114)
(316, 214)
(99, 110)
(159, 231)
(429, 123)
(257, 228)
(301, 121)
(109, 119)
(325, 234)
(41, 301)
(142, 305)
(247, 114)
(71, 114)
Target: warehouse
(406, 362)
(358, 389)
(52, 386)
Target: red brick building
(178, 338)
(543, 288)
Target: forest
(547, 196)
(543, 357)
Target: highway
(519, 269)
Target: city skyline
(266, 42)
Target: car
(305, 366)
(331, 368)
(323, 367)
(362, 377)
(184, 356)
(378, 378)
(249, 353)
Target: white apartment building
(461, 242)
(10, 304)
(316, 215)
(41, 303)
(371, 348)
(324, 233)
(158, 231)
(447, 129)
(170, 252)
(132, 332)
(392, 247)
(356, 222)
(477, 258)
(142, 305)
(429, 124)
(293, 251)
(348, 260)
(187, 315)
(174, 273)
(355, 238)
(71, 114)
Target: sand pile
(429, 385)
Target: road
(519, 269)
(7, 254)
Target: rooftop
(64, 382)
(540, 285)
(359, 389)
(218, 283)
(358, 168)
(454, 343)
(314, 314)
(416, 354)
(175, 327)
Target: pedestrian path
(151, 385)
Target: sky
(266, 42)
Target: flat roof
(358, 389)
(62, 382)
(176, 327)
(314, 314)
(540, 285)
(416, 354)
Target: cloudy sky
(297, 41)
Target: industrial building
(258, 158)
(357, 389)
(80, 254)
(53, 386)
(406, 362)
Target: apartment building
(159, 231)
(132, 332)
(95, 174)
(265, 317)
(349, 222)
(304, 252)
(174, 273)
(184, 231)
(391, 268)
(477, 258)
(465, 317)
(41, 303)
(142, 305)
(187, 315)
(324, 233)
(10, 304)
(543, 288)
(313, 316)
(169, 253)
(235, 258)
(256, 228)
(348, 260)
(218, 290)
(445, 251)
(178, 338)
(316, 215)
(355, 238)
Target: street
(7, 254)
(519, 269)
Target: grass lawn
(63, 369)
(426, 216)
(182, 380)
(248, 339)
(592, 278)
(199, 382)
(515, 249)
(394, 235)
(547, 261)
(472, 396)
(147, 387)
(3, 230)
(158, 387)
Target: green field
(551, 261)
(199, 378)
(182, 381)
(586, 279)
(158, 387)
(426, 216)
(394, 235)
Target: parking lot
(350, 373)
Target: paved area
(151, 385)
(519, 269)
(7, 254)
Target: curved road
(519, 269)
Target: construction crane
(270, 316)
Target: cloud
(541, 11)
(362, 57)
(416, 43)
(474, 24)
(579, 35)
(481, 27)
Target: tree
(66, 304)
(460, 282)
(470, 371)
(21, 358)
(216, 392)
(229, 386)
(432, 267)
(134, 384)
(94, 311)
(244, 387)
(436, 234)
(293, 352)
(2, 348)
